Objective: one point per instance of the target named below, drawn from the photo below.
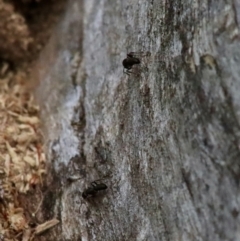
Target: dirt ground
(25, 28)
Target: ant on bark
(132, 59)
(129, 62)
(93, 189)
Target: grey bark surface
(165, 140)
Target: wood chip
(26, 235)
(12, 153)
(45, 226)
(30, 120)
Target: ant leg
(129, 72)
(126, 72)
(94, 184)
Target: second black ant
(93, 189)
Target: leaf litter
(22, 160)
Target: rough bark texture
(165, 139)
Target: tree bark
(165, 139)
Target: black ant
(93, 189)
(129, 62)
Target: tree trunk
(164, 139)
